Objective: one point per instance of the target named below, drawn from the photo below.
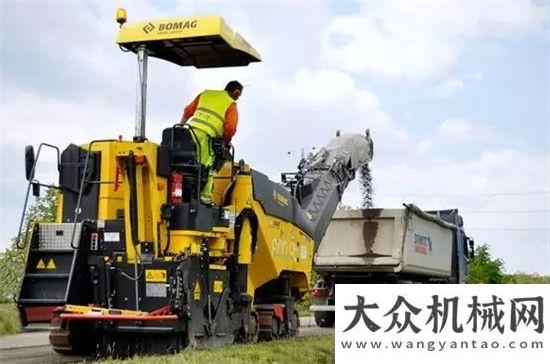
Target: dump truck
(404, 245)
(135, 263)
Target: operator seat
(179, 152)
(183, 159)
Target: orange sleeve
(231, 120)
(190, 109)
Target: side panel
(70, 177)
(385, 240)
(363, 239)
(427, 248)
(277, 201)
(280, 247)
(114, 198)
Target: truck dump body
(388, 246)
(400, 241)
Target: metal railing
(32, 181)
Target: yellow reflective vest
(210, 113)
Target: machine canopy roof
(203, 42)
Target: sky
(455, 94)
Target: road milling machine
(135, 263)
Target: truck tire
(324, 318)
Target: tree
(12, 260)
(485, 269)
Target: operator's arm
(190, 110)
(231, 120)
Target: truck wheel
(324, 318)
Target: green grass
(526, 278)
(315, 349)
(9, 319)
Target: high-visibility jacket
(209, 115)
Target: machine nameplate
(155, 290)
(111, 237)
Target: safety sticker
(218, 286)
(51, 265)
(155, 275)
(197, 291)
(41, 265)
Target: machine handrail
(79, 200)
(31, 182)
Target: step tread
(46, 275)
(50, 251)
(42, 300)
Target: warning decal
(42, 265)
(51, 264)
(197, 291)
(155, 275)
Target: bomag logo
(177, 25)
(148, 28)
(171, 26)
(280, 199)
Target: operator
(212, 114)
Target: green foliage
(303, 306)
(526, 278)
(12, 260)
(314, 349)
(484, 269)
(9, 319)
(12, 263)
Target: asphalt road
(33, 346)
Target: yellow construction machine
(135, 263)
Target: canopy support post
(141, 102)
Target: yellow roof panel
(202, 42)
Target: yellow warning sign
(155, 275)
(41, 265)
(51, 264)
(218, 286)
(197, 291)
